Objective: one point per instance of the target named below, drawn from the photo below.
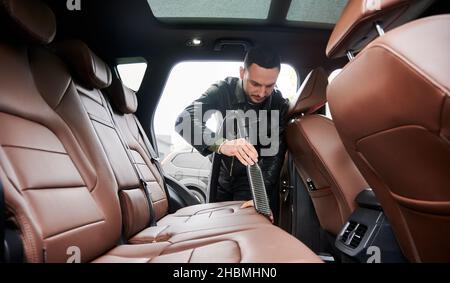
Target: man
(253, 91)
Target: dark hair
(262, 56)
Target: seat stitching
(75, 228)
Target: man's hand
(251, 204)
(242, 149)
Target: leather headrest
(356, 26)
(311, 95)
(123, 98)
(86, 67)
(30, 21)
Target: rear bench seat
(136, 216)
(88, 83)
(60, 188)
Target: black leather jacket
(229, 95)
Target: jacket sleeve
(271, 165)
(192, 119)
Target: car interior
(366, 177)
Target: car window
(330, 79)
(187, 82)
(132, 74)
(193, 160)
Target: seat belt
(285, 201)
(153, 155)
(143, 183)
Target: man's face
(258, 82)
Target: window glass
(187, 82)
(313, 11)
(132, 74)
(192, 160)
(330, 79)
(222, 9)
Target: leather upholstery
(400, 142)
(135, 212)
(355, 27)
(134, 209)
(29, 20)
(79, 205)
(320, 156)
(253, 244)
(200, 221)
(51, 186)
(87, 68)
(129, 129)
(130, 133)
(311, 95)
(123, 98)
(173, 231)
(133, 201)
(62, 192)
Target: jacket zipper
(231, 170)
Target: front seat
(391, 106)
(331, 177)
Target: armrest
(367, 199)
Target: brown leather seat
(391, 106)
(52, 191)
(60, 188)
(123, 125)
(124, 104)
(320, 158)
